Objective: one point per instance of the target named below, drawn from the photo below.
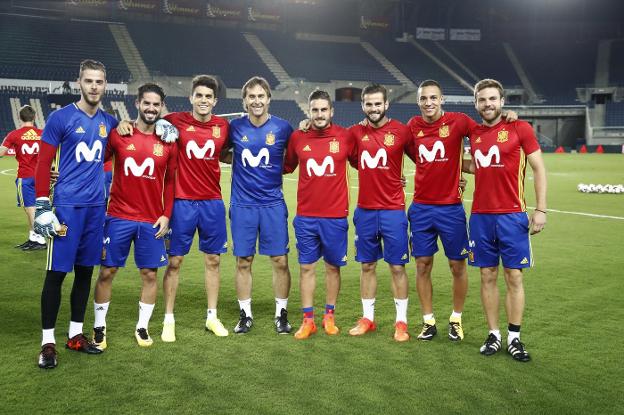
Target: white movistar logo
(312, 166)
(130, 164)
(254, 161)
(106, 240)
(438, 147)
(88, 154)
(373, 162)
(34, 149)
(200, 153)
(485, 161)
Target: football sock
(145, 313)
(456, 315)
(428, 317)
(47, 336)
(496, 333)
(211, 313)
(329, 308)
(368, 308)
(279, 304)
(401, 309)
(308, 312)
(80, 292)
(99, 311)
(169, 318)
(51, 298)
(513, 333)
(75, 328)
(245, 305)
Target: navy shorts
(428, 222)
(205, 216)
(500, 236)
(268, 225)
(82, 244)
(25, 192)
(381, 234)
(321, 237)
(149, 252)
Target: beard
(89, 100)
(497, 113)
(381, 117)
(146, 121)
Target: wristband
(540, 210)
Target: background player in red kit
(321, 224)
(380, 213)
(437, 209)
(139, 208)
(499, 224)
(25, 141)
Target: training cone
(599, 149)
(560, 150)
(583, 149)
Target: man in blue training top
(257, 208)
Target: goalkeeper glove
(166, 131)
(46, 222)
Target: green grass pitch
(571, 327)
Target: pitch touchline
(7, 172)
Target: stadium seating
(317, 61)
(44, 49)
(614, 114)
(188, 50)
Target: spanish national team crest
(216, 132)
(444, 131)
(158, 149)
(503, 135)
(389, 140)
(334, 146)
(103, 132)
(270, 139)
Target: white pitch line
(7, 172)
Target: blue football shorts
(25, 192)
(381, 234)
(321, 237)
(500, 236)
(205, 216)
(268, 225)
(149, 252)
(428, 222)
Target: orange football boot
(363, 326)
(308, 328)
(330, 325)
(400, 332)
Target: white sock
(169, 318)
(401, 309)
(75, 328)
(211, 313)
(456, 315)
(368, 308)
(245, 305)
(279, 304)
(145, 314)
(47, 336)
(99, 311)
(427, 317)
(512, 335)
(32, 236)
(496, 333)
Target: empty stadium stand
(614, 114)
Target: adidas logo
(244, 139)
(30, 135)
(365, 138)
(464, 251)
(420, 134)
(131, 147)
(100, 308)
(344, 258)
(524, 261)
(404, 256)
(190, 128)
(80, 130)
(225, 245)
(478, 140)
(307, 148)
(162, 258)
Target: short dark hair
(430, 82)
(150, 87)
(27, 113)
(255, 81)
(488, 83)
(91, 64)
(374, 89)
(207, 81)
(320, 94)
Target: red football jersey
(437, 149)
(26, 142)
(499, 153)
(108, 165)
(143, 182)
(323, 155)
(380, 164)
(199, 146)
